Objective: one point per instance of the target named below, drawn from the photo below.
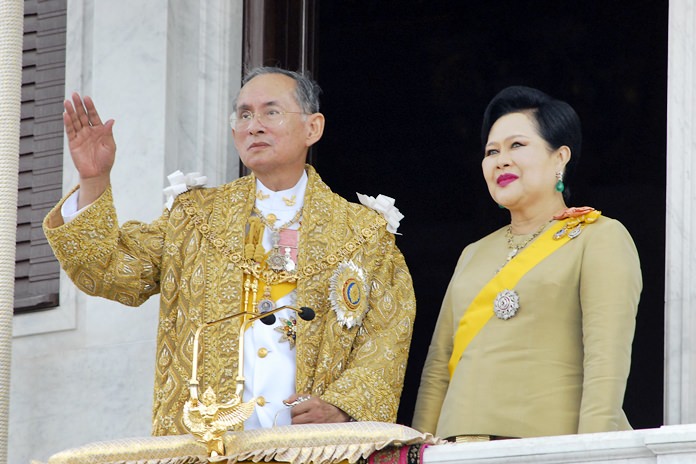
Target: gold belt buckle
(471, 438)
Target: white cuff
(69, 209)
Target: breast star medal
(348, 294)
(287, 331)
(506, 304)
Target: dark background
(405, 85)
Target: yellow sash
(481, 308)
(254, 238)
(278, 291)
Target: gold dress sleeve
(435, 377)
(610, 289)
(121, 264)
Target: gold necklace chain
(268, 223)
(255, 269)
(515, 249)
(276, 260)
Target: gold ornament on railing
(208, 420)
(205, 418)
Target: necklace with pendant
(507, 302)
(278, 260)
(516, 248)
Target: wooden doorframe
(280, 33)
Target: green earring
(560, 186)
(501, 206)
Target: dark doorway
(405, 84)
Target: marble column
(204, 56)
(680, 253)
(166, 71)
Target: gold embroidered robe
(360, 370)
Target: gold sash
(481, 308)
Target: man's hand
(92, 147)
(314, 410)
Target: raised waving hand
(92, 146)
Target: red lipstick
(506, 179)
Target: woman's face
(518, 165)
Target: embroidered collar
(284, 202)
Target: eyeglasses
(268, 118)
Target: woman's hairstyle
(557, 122)
(306, 90)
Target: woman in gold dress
(535, 331)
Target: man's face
(269, 149)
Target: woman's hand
(92, 147)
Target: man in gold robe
(277, 237)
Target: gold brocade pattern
(173, 449)
(360, 370)
(321, 443)
(258, 270)
(297, 444)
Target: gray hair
(306, 90)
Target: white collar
(291, 199)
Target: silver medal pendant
(560, 234)
(575, 232)
(276, 260)
(289, 263)
(506, 304)
(265, 305)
